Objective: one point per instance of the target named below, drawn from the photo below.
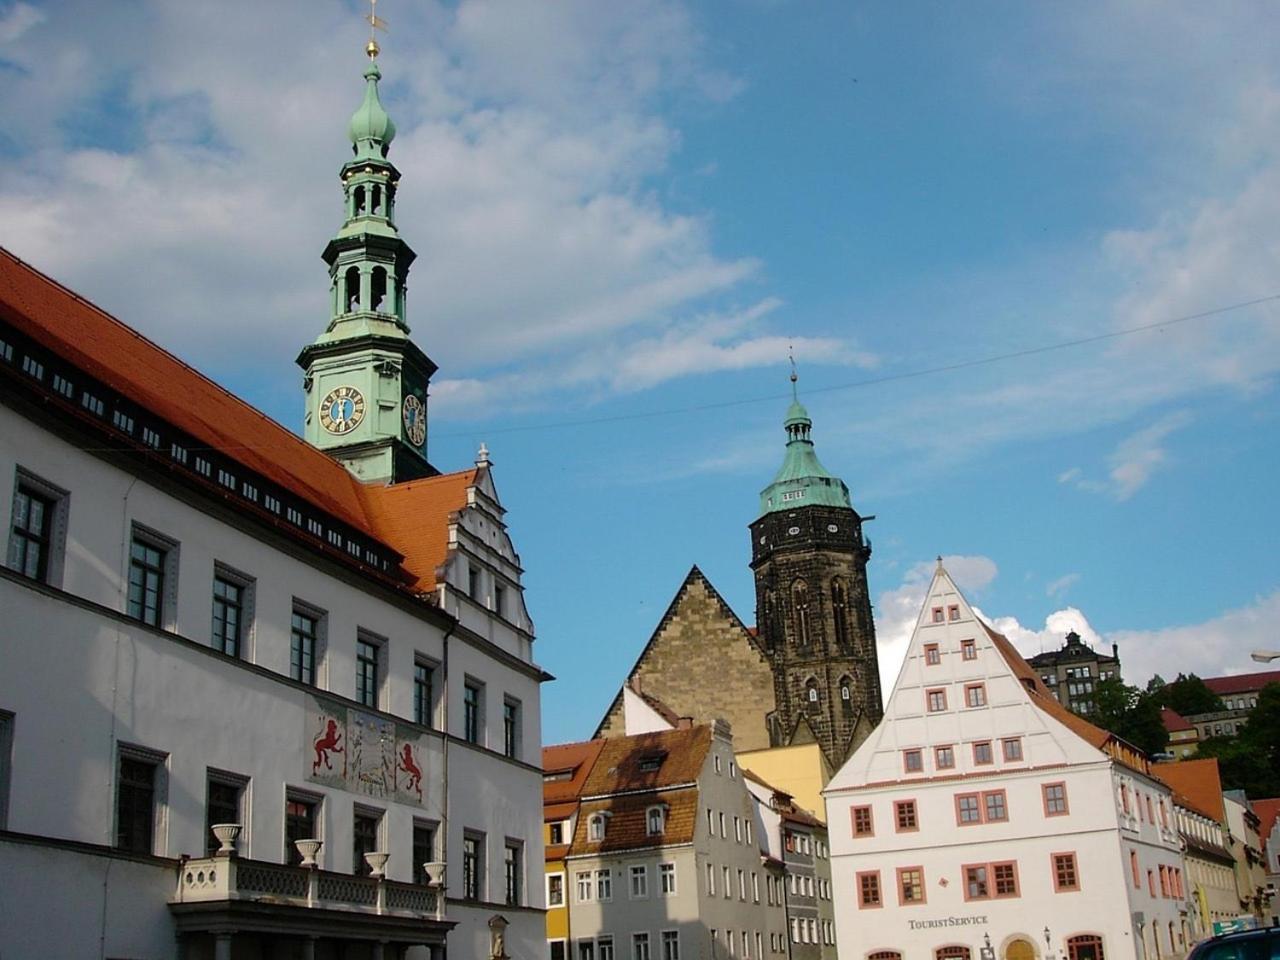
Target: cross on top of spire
(375, 23)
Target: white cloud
(1133, 461)
(1056, 588)
(17, 20)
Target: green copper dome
(802, 480)
(371, 130)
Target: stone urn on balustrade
(226, 834)
(377, 862)
(308, 848)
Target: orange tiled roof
(579, 758)
(1242, 683)
(410, 517)
(1174, 722)
(627, 827)
(618, 766)
(1268, 812)
(1198, 781)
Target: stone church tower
(813, 612)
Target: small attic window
(596, 826)
(655, 820)
(557, 776)
(651, 762)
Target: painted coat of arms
(363, 752)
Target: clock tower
(366, 381)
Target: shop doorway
(1020, 949)
(1087, 946)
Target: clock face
(415, 420)
(342, 410)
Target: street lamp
(986, 952)
(1265, 656)
(1048, 941)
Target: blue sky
(624, 213)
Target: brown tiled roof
(627, 827)
(802, 816)
(618, 767)
(555, 851)
(576, 758)
(1198, 781)
(1242, 683)
(658, 707)
(1174, 722)
(410, 518)
(558, 811)
(1268, 812)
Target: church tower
(813, 611)
(366, 381)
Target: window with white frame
(604, 948)
(639, 881)
(666, 878)
(555, 889)
(586, 888)
(656, 820)
(596, 826)
(604, 885)
(670, 945)
(640, 946)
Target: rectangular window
(178, 452)
(910, 885)
(968, 650)
(755, 887)
(1065, 874)
(511, 727)
(968, 809)
(944, 758)
(1055, 799)
(122, 421)
(92, 403)
(937, 615)
(640, 946)
(742, 885)
(862, 826)
(366, 825)
(671, 944)
(224, 803)
(982, 752)
(424, 850)
(1133, 869)
(301, 822)
(32, 531)
(1012, 749)
(912, 761)
(953, 612)
(976, 883)
(931, 655)
(473, 583)
(994, 805)
(555, 890)
(472, 865)
(33, 367)
(424, 678)
(604, 948)
(604, 885)
(152, 568)
(1164, 880)
(367, 672)
(582, 880)
(1005, 878)
(499, 598)
(737, 829)
(639, 882)
(667, 878)
(869, 889)
(586, 949)
(905, 815)
(139, 795)
(936, 700)
(304, 642)
(230, 609)
(513, 872)
(975, 695)
(711, 880)
(472, 701)
(727, 885)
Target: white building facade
(982, 819)
(207, 621)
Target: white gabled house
(981, 819)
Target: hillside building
(261, 696)
(1073, 671)
(984, 819)
(1239, 695)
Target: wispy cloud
(1055, 589)
(1133, 462)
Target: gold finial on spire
(375, 23)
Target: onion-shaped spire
(371, 130)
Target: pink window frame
(857, 878)
(983, 806)
(924, 890)
(853, 821)
(1053, 868)
(937, 762)
(1151, 882)
(964, 880)
(1017, 880)
(920, 753)
(968, 823)
(937, 615)
(1044, 798)
(932, 649)
(968, 649)
(983, 763)
(953, 611)
(915, 807)
(1004, 750)
(1164, 881)
(1135, 869)
(928, 695)
(982, 688)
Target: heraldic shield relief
(363, 752)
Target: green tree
(1129, 713)
(1188, 694)
(1250, 761)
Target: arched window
(656, 820)
(351, 290)
(955, 951)
(376, 206)
(595, 826)
(884, 955)
(800, 610)
(840, 610)
(1085, 946)
(378, 288)
(846, 694)
(359, 197)
(812, 697)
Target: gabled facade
(565, 769)
(975, 815)
(665, 862)
(1269, 833)
(251, 704)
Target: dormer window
(656, 820)
(651, 762)
(596, 826)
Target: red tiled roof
(1242, 683)
(1268, 812)
(577, 758)
(627, 826)
(409, 517)
(618, 767)
(1198, 781)
(1174, 722)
